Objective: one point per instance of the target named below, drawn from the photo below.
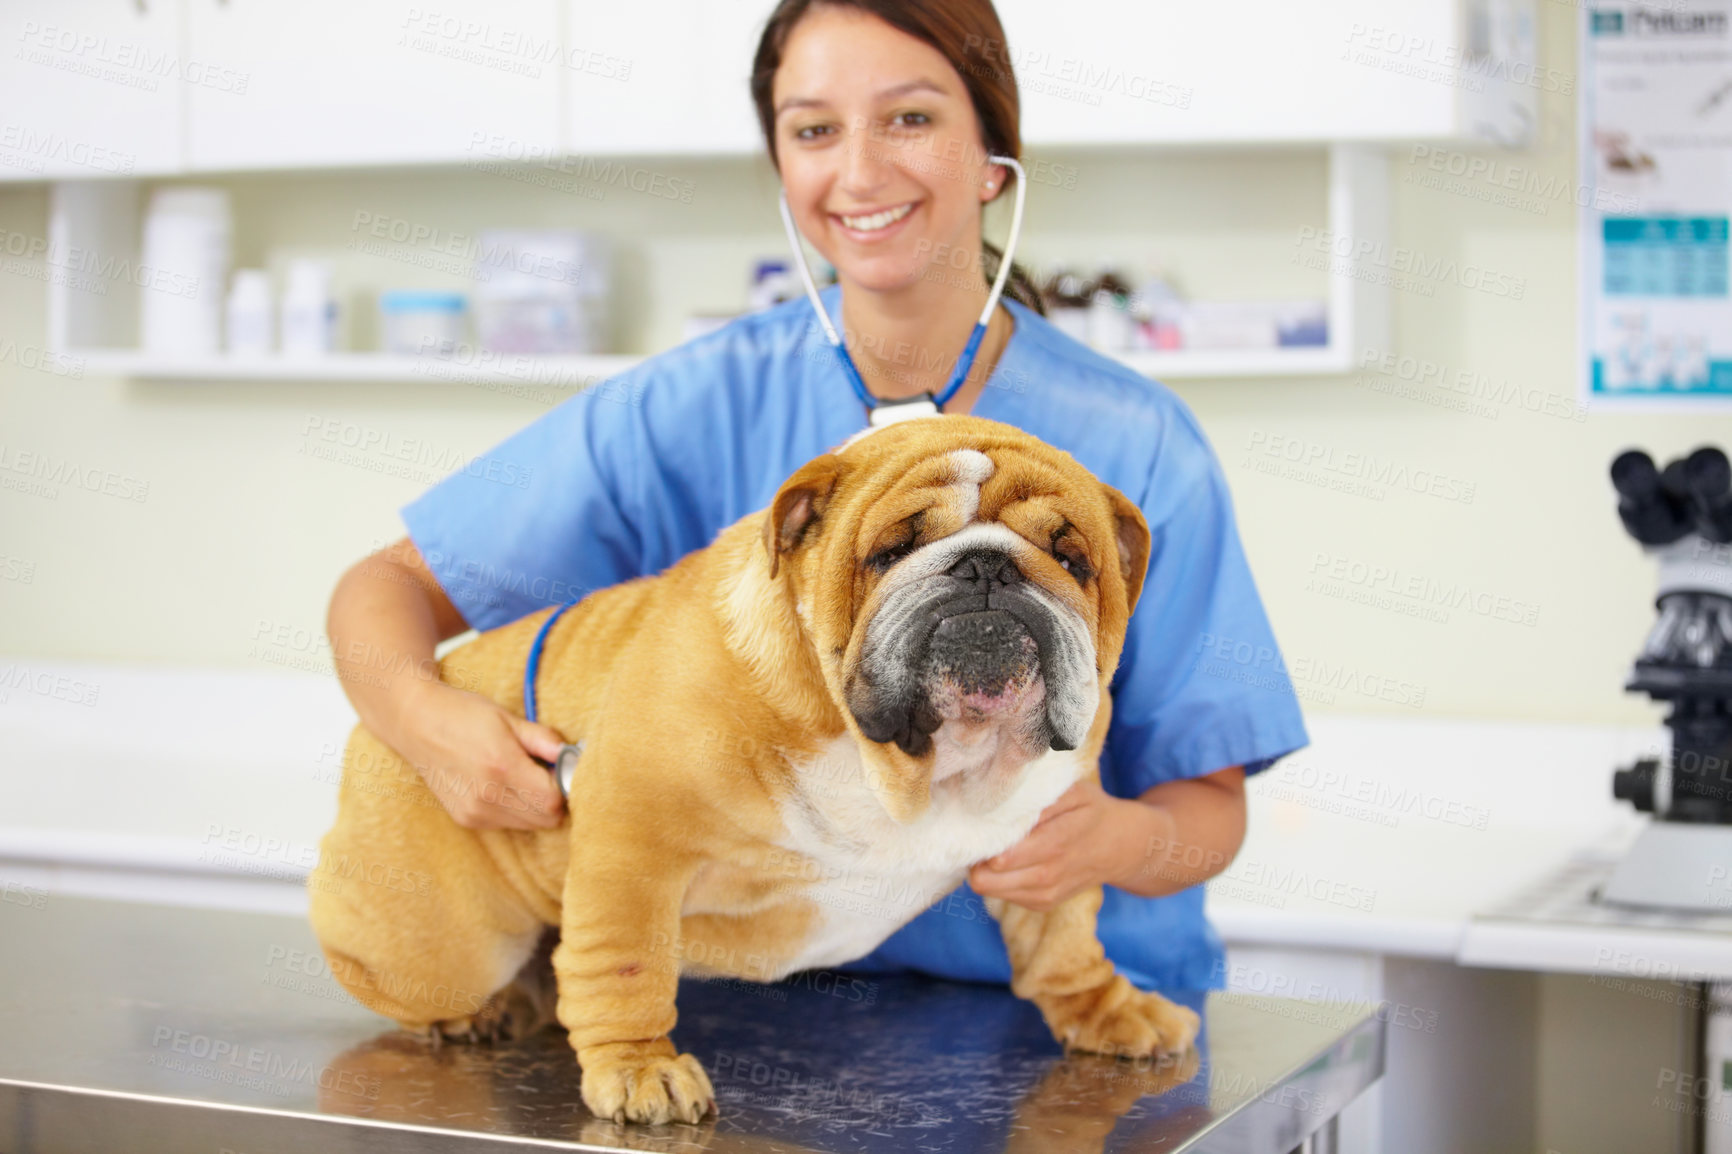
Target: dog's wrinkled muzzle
(974, 653)
(980, 664)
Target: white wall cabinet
(1270, 71)
(336, 83)
(672, 76)
(1105, 72)
(162, 87)
(91, 89)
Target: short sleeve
(546, 516)
(1201, 684)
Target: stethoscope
(564, 766)
(881, 412)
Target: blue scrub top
(629, 476)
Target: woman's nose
(866, 162)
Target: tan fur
(694, 691)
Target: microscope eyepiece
(1654, 506)
(1634, 475)
(1709, 478)
(1708, 472)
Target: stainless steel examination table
(143, 1028)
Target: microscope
(1682, 516)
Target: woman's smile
(872, 226)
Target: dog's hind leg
(414, 917)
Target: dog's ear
(799, 502)
(1132, 532)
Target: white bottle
(309, 310)
(250, 321)
(185, 259)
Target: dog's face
(967, 588)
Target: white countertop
(1387, 835)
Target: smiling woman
(883, 118)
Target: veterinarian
(881, 117)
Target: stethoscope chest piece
(889, 412)
(565, 767)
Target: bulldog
(794, 741)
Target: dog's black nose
(986, 567)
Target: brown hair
(966, 33)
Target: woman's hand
(474, 756)
(1079, 841)
(1174, 836)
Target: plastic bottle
(309, 310)
(249, 313)
(185, 255)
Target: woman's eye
(912, 120)
(810, 131)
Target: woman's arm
(1176, 835)
(1182, 833)
(387, 615)
(388, 604)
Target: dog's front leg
(1057, 962)
(618, 967)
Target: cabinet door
(1159, 71)
(730, 39)
(90, 89)
(335, 82)
(666, 77)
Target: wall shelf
(504, 368)
(103, 216)
(575, 373)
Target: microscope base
(1675, 866)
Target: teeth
(877, 220)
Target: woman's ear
(992, 183)
(799, 502)
(1132, 534)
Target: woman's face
(880, 152)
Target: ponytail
(1019, 286)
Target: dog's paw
(644, 1082)
(462, 1029)
(517, 1011)
(522, 1008)
(1120, 1020)
(504, 1018)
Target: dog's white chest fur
(869, 875)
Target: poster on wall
(1656, 151)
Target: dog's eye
(1067, 551)
(1072, 561)
(885, 558)
(891, 554)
